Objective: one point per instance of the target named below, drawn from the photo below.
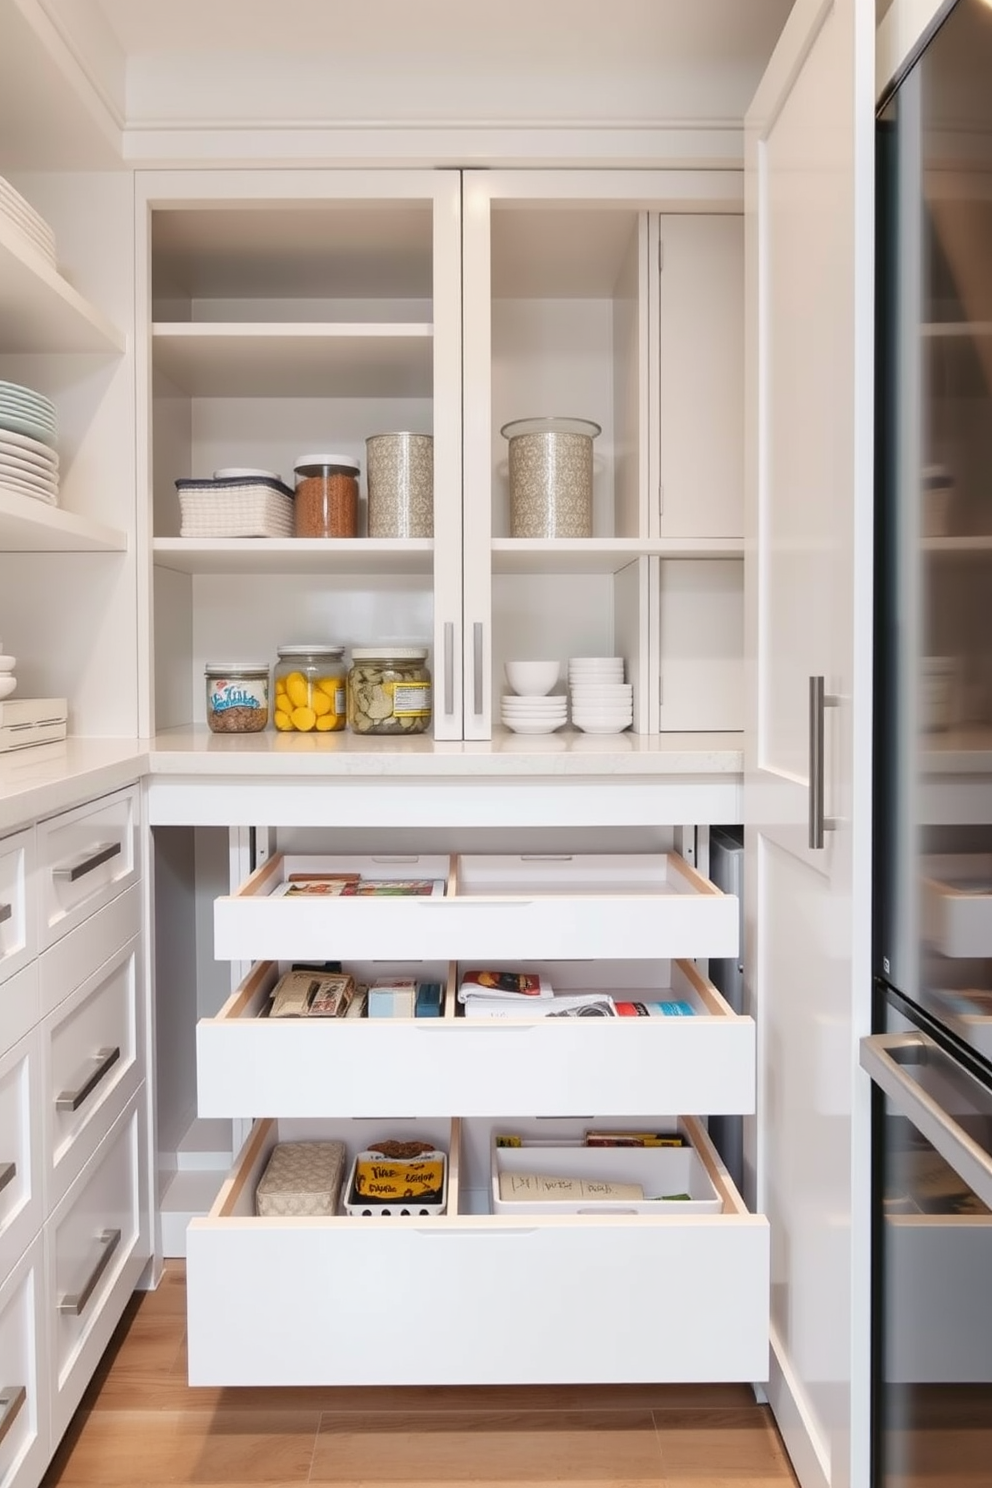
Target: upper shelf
(29, 526)
(39, 310)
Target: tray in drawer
(565, 905)
(957, 904)
(551, 1299)
(339, 1067)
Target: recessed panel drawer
(74, 958)
(20, 1005)
(636, 905)
(469, 1297)
(337, 1067)
(85, 858)
(25, 1430)
(18, 906)
(21, 1148)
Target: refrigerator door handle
(818, 701)
(888, 1058)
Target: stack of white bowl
(529, 708)
(602, 702)
(7, 679)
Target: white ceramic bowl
(534, 712)
(532, 678)
(7, 685)
(590, 717)
(595, 661)
(519, 726)
(7, 663)
(601, 728)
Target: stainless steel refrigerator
(931, 1055)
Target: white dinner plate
(27, 464)
(34, 439)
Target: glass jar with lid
(326, 498)
(237, 696)
(310, 689)
(389, 690)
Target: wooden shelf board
(292, 360)
(282, 555)
(515, 555)
(29, 526)
(39, 310)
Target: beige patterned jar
(400, 478)
(551, 476)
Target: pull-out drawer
(25, 1432)
(957, 904)
(18, 910)
(97, 1247)
(86, 857)
(602, 905)
(247, 1061)
(21, 1148)
(470, 1297)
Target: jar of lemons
(310, 689)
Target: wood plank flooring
(142, 1426)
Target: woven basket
(231, 508)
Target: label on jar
(237, 705)
(410, 699)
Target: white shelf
(292, 360)
(594, 555)
(958, 547)
(29, 526)
(39, 310)
(302, 555)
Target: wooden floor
(140, 1424)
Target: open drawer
(957, 904)
(470, 1297)
(602, 905)
(391, 1067)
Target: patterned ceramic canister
(551, 476)
(400, 476)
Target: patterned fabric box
(302, 1178)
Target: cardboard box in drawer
(301, 1178)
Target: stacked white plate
(533, 715)
(602, 702)
(23, 411)
(7, 679)
(31, 226)
(28, 467)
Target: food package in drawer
(301, 1178)
(568, 1178)
(392, 1178)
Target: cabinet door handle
(477, 665)
(818, 701)
(6, 913)
(70, 872)
(71, 1100)
(449, 667)
(74, 1302)
(12, 1397)
(8, 1172)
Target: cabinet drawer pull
(818, 822)
(12, 1397)
(6, 912)
(70, 872)
(449, 667)
(449, 905)
(8, 1172)
(74, 1302)
(71, 1100)
(477, 666)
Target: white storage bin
(957, 904)
(659, 1171)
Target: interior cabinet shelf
(292, 360)
(40, 311)
(29, 526)
(301, 555)
(600, 555)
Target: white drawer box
(18, 909)
(957, 904)
(93, 1046)
(433, 1066)
(637, 905)
(96, 1248)
(321, 1301)
(20, 1005)
(22, 1165)
(85, 858)
(25, 1431)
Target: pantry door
(809, 187)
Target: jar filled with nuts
(389, 690)
(326, 499)
(237, 697)
(310, 689)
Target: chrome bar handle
(449, 667)
(12, 1397)
(477, 665)
(818, 701)
(6, 913)
(75, 1302)
(71, 1100)
(883, 1056)
(8, 1172)
(70, 872)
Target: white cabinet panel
(25, 1433)
(21, 1147)
(18, 904)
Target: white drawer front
(93, 1064)
(307, 1301)
(18, 907)
(97, 1247)
(86, 857)
(599, 905)
(21, 1148)
(20, 1005)
(25, 1432)
(74, 958)
(300, 1067)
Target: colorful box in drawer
(301, 1178)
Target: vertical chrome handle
(818, 701)
(8, 1172)
(449, 667)
(75, 1302)
(477, 665)
(6, 912)
(12, 1397)
(70, 872)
